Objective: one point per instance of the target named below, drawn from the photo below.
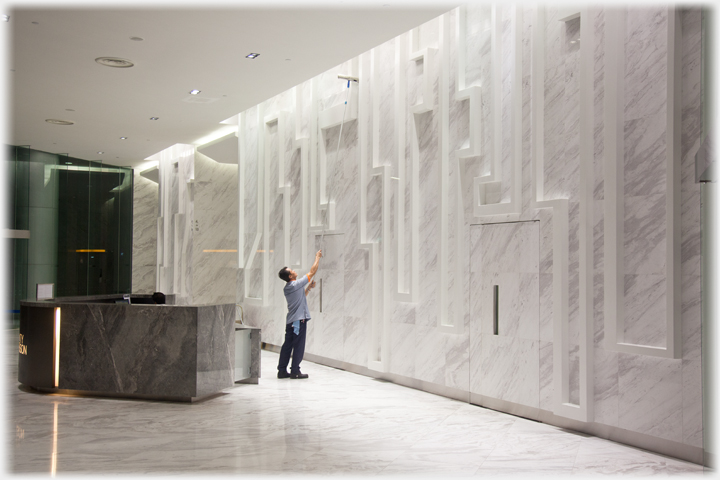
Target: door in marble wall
(326, 302)
(504, 302)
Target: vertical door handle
(496, 297)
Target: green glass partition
(79, 217)
(16, 197)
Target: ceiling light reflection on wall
(252, 55)
(154, 118)
(194, 92)
(217, 134)
(100, 153)
(147, 166)
(123, 138)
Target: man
(296, 320)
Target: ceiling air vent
(114, 62)
(55, 121)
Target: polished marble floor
(331, 424)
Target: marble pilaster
(145, 213)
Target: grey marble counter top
(169, 299)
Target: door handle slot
(496, 298)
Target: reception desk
(93, 345)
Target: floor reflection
(53, 464)
(332, 423)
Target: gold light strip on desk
(90, 250)
(56, 346)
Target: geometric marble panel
(642, 90)
(555, 186)
(406, 149)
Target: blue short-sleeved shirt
(297, 303)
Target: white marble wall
(215, 229)
(145, 213)
(655, 396)
(175, 222)
(434, 151)
(185, 229)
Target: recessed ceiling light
(194, 92)
(55, 121)
(137, 39)
(154, 118)
(252, 55)
(6, 18)
(114, 62)
(100, 153)
(123, 138)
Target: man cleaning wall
(297, 318)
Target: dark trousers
(295, 344)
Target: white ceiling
(52, 68)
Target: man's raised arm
(313, 269)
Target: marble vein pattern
(650, 395)
(335, 423)
(215, 358)
(691, 229)
(146, 349)
(145, 213)
(215, 231)
(645, 309)
(691, 134)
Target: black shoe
(298, 375)
(282, 374)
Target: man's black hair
(284, 274)
(158, 298)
